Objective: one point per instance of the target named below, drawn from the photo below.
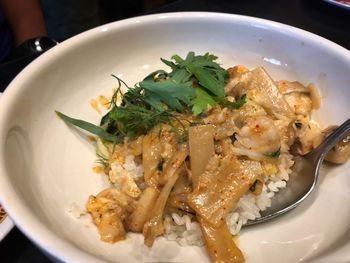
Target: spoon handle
(331, 140)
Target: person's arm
(25, 18)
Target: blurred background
(30, 27)
(21, 20)
(66, 18)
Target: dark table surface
(315, 16)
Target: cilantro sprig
(208, 79)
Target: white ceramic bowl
(45, 166)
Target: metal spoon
(303, 178)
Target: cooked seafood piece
(261, 88)
(308, 135)
(340, 153)
(109, 209)
(259, 134)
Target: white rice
(185, 231)
(128, 168)
(76, 211)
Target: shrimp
(109, 210)
(340, 153)
(301, 99)
(308, 135)
(259, 134)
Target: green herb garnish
(174, 94)
(102, 161)
(275, 154)
(193, 85)
(253, 187)
(233, 137)
(236, 104)
(90, 128)
(207, 77)
(202, 101)
(160, 165)
(299, 125)
(132, 120)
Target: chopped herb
(299, 125)
(102, 160)
(182, 139)
(132, 120)
(275, 154)
(160, 165)
(233, 137)
(203, 115)
(195, 124)
(253, 187)
(182, 136)
(236, 104)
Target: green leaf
(156, 73)
(205, 61)
(170, 92)
(232, 105)
(238, 103)
(133, 120)
(253, 187)
(202, 101)
(207, 80)
(189, 58)
(94, 129)
(160, 165)
(221, 75)
(275, 154)
(299, 125)
(171, 64)
(204, 71)
(154, 100)
(181, 76)
(177, 59)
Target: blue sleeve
(6, 41)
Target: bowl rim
(53, 245)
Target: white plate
(46, 166)
(7, 224)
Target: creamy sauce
(92, 138)
(98, 169)
(104, 101)
(94, 105)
